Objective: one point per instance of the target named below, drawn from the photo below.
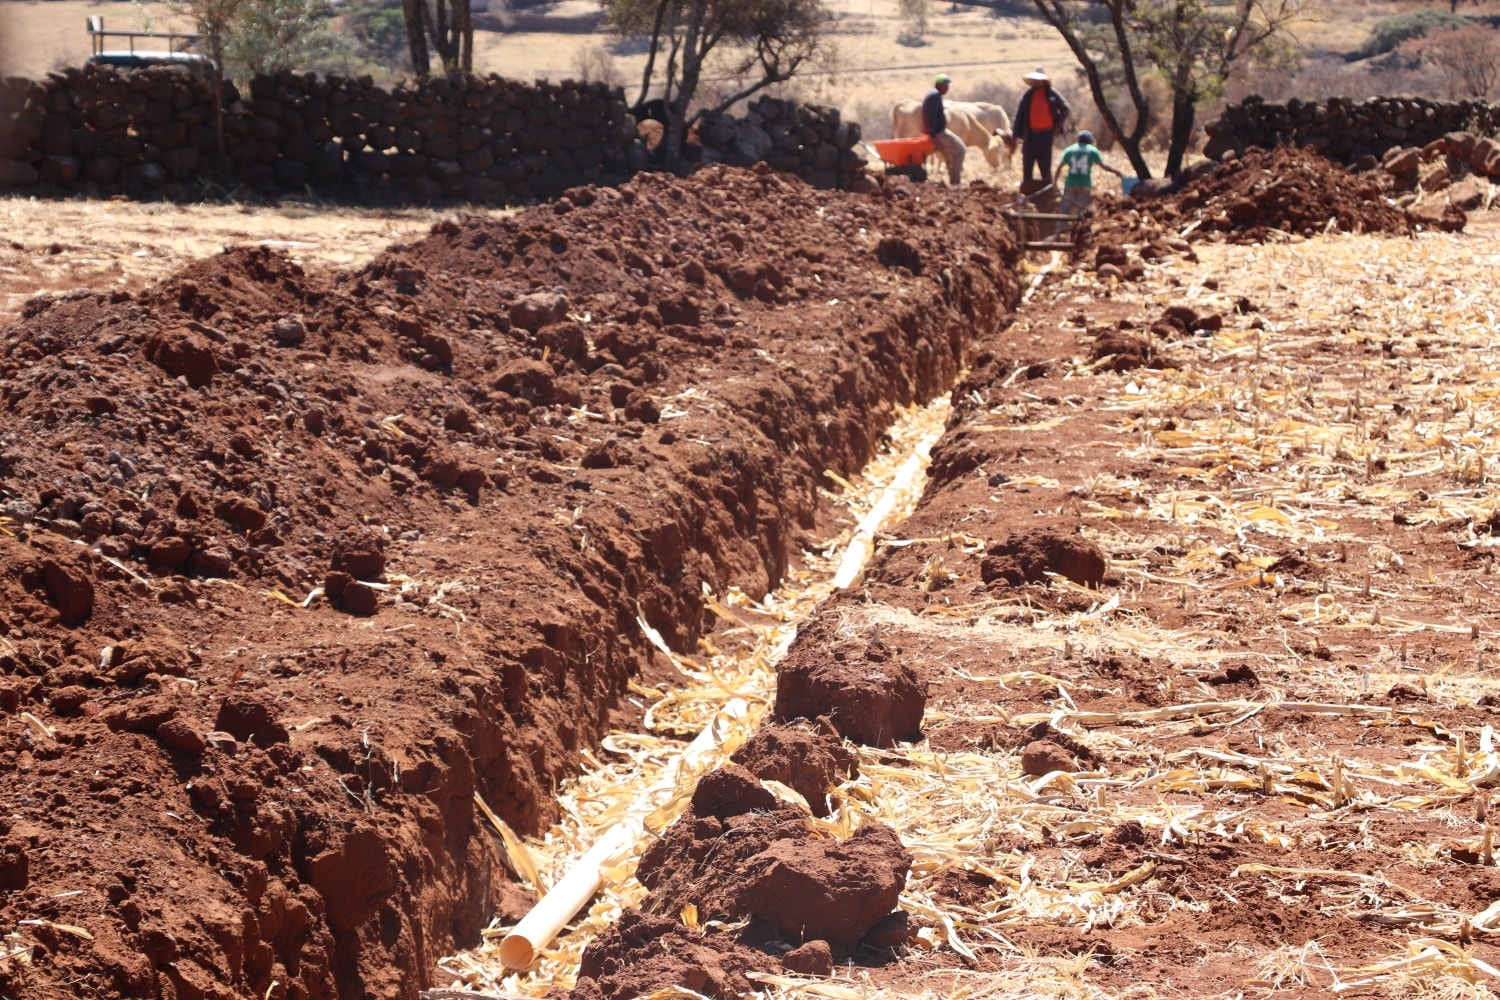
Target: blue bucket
(1127, 184)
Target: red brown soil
(740, 858)
(808, 759)
(1027, 413)
(858, 683)
(1247, 200)
(241, 791)
(797, 899)
(493, 449)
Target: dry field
(1268, 740)
(1266, 749)
(873, 66)
(1257, 762)
(56, 246)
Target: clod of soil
(642, 953)
(814, 958)
(1044, 757)
(507, 443)
(1028, 556)
(857, 682)
(736, 856)
(766, 865)
(1284, 189)
(825, 889)
(807, 759)
(1125, 352)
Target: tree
(214, 21)
(1468, 58)
(378, 27)
(1193, 46)
(447, 26)
(270, 35)
(755, 43)
(915, 12)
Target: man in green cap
(935, 125)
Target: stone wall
(1344, 130)
(483, 138)
(477, 138)
(809, 140)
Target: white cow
(994, 118)
(906, 120)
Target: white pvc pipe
(863, 542)
(566, 898)
(578, 885)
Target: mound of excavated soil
(1282, 189)
(853, 680)
(805, 758)
(738, 856)
(492, 450)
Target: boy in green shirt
(1079, 160)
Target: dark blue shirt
(934, 120)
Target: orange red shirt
(1041, 112)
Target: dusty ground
(876, 64)
(1277, 706)
(1199, 588)
(36, 37)
(389, 533)
(56, 246)
(1237, 741)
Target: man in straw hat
(935, 125)
(1041, 113)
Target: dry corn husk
(1283, 454)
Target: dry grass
(52, 246)
(648, 778)
(1300, 445)
(878, 60)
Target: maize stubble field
(1192, 618)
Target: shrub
(1392, 31)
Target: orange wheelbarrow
(905, 156)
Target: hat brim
(1037, 78)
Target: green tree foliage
(1391, 32)
(271, 35)
(755, 43)
(215, 21)
(378, 27)
(1192, 46)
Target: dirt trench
(297, 563)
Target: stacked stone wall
(482, 138)
(475, 138)
(809, 140)
(1345, 130)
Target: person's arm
(1057, 174)
(1064, 109)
